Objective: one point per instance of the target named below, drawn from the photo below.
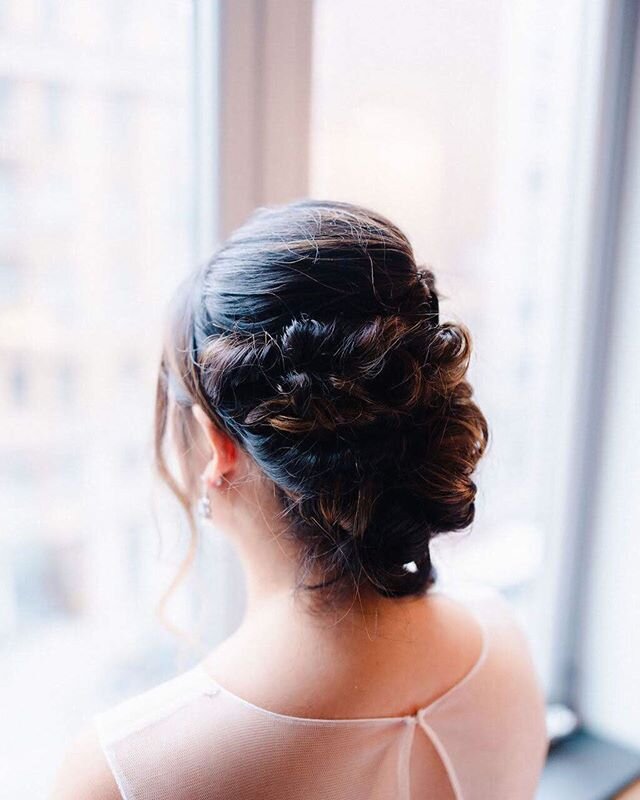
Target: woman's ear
(223, 455)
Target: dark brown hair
(312, 339)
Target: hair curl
(314, 341)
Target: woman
(322, 419)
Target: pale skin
(375, 657)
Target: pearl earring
(204, 504)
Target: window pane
(95, 232)
(452, 119)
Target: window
(123, 156)
(96, 133)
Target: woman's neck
(270, 561)
(271, 576)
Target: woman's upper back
(190, 738)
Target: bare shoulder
(84, 772)
(510, 672)
(508, 656)
(488, 606)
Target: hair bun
(327, 361)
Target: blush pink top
(484, 739)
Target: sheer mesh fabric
(484, 739)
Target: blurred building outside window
(95, 216)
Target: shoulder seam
(126, 792)
(112, 728)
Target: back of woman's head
(314, 342)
